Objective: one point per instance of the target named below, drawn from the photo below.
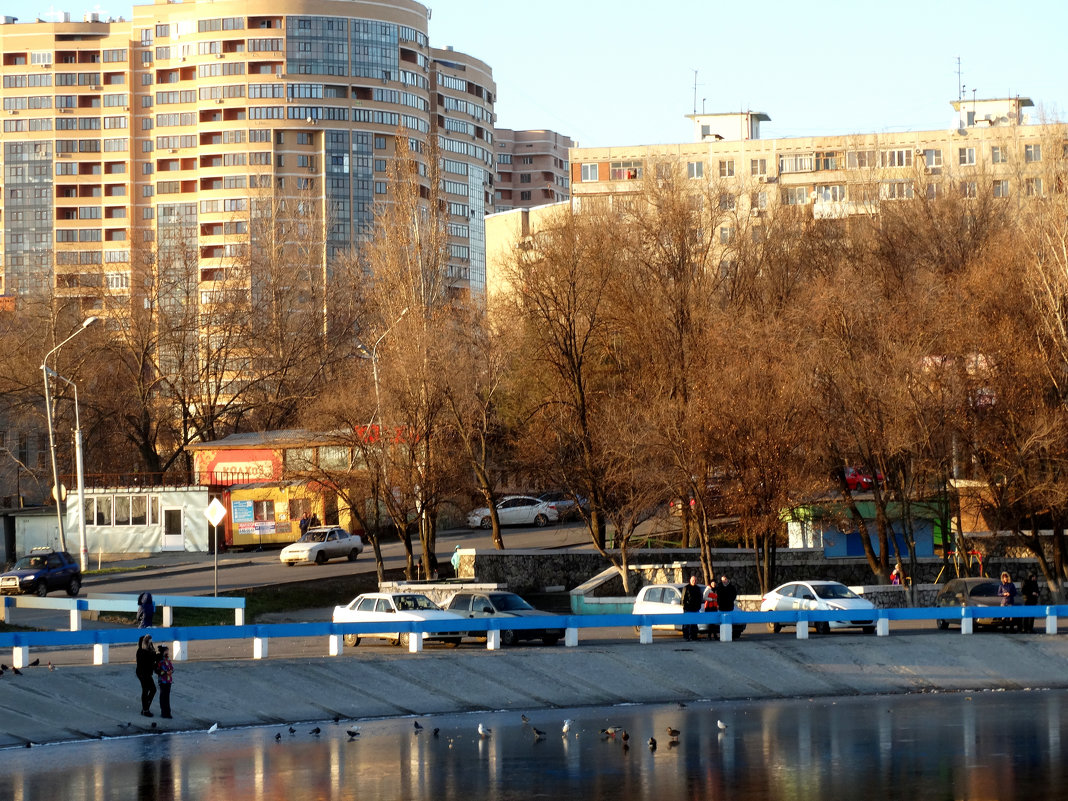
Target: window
(524, 178)
(1032, 153)
(759, 200)
(1001, 188)
(758, 167)
(969, 189)
(524, 195)
(860, 159)
(966, 156)
(830, 193)
(625, 171)
(726, 168)
(263, 511)
(896, 190)
(901, 157)
(726, 232)
(1033, 187)
(828, 160)
(695, 169)
(588, 172)
(726, 202)
(932, 158)
(998, 155)
(795, 196)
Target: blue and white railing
(120, 602)
(100, 640)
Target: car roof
(511, 497)
(973, 580)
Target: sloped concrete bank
(87, 702)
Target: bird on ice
(484, 731)
(278, 737)
(415, 724)
(35, 663)
(51, 666)
(652, 743)
(721, 725)
(673, 733)
(538, 733)
(213, 728)
(567, 726)
(611, 731)
(352, 733)
(292, 730)
(316, 731)
(525, 719)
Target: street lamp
(374, 365)
(77, 446)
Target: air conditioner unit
(96, 88)
(220, 55)
(220, 101)
(762, 179)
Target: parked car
(818, 595)
(859, 479)
(960, 592)
(382, 607)
(42, 571)
(568, 507)
(322, 543)
(516, 510)
(502, 604)
(666, 599)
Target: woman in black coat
(146, 669)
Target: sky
(626, 72)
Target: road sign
(215, 512)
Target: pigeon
(625, 736)
(611, 731)
(51, 666)
(538, 733)
(682, 705)
(418, 728)
(722, 726)
(525, 719)
(567, 726)
(484, 732)
(673, 733)
(213, 728)
(278, 737)
(652, 743)
(337, 719)
(16, 671)
(316, 731)
(292, 730)
(352, 733)
(435, 732)
(3, 666)
(35, 663)
(153, 725)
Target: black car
(974, 592)
(566, 505)
(42, 571)
(502, 604)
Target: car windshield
(509, 603)
(30, 562)
(988, 589)
(406, 603)
(313, 536)
(833, 591)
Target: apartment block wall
(532, 168)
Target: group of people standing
(694, 600)
(152, 661)
(1029, 591)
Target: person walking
(165, 671)
(1007, 594)
(305, 521)
(691, 602)
(145, 670)
(455, 561)
(1029, 591)
(146, 610)
(726, 595)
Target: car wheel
(403, 640)
(353, 555)
(320, 558)
(351, 640)
(290, 564)
(508, 638)
(774, 628)
(869, 629)
(73, 587)
(552, 639)
(943, 624)
(541, 521)
(823, 627)
(485, 522)
(42, 589)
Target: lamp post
(374, 365)
(77, 446)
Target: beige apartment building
(532, 168)
(988, 145)
(191, 119)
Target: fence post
(168, 616)
(726, 630)
(966, 622)
(20, 656)
(415, 642)
(334, 641)
(570, 638)
(802, 627)
(178, 651)
(259, 647)
(75, 619)
(239, 617)
(1051, 620)
(882, 625)
(645, 635)
(101, 651)
(493, 640)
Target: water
(986, 745)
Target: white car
(516, 510)
(322, 543)
(382, 607)
(666, 599)
(818, 595)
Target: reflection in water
(981, 746)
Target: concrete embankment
(86, 702)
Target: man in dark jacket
(692, 599)
(727, 594)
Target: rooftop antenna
(960, 86)
(695, 91)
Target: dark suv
(42, 571)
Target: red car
(858, 479)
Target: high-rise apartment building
(194, 117)
(532, 168)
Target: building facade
(180, 126)
(991, 146)
(532, 168)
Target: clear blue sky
(621, 72)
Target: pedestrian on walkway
(146, 610)
(691, 602)
(145, 670)
(726, 595)
(165, 671)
